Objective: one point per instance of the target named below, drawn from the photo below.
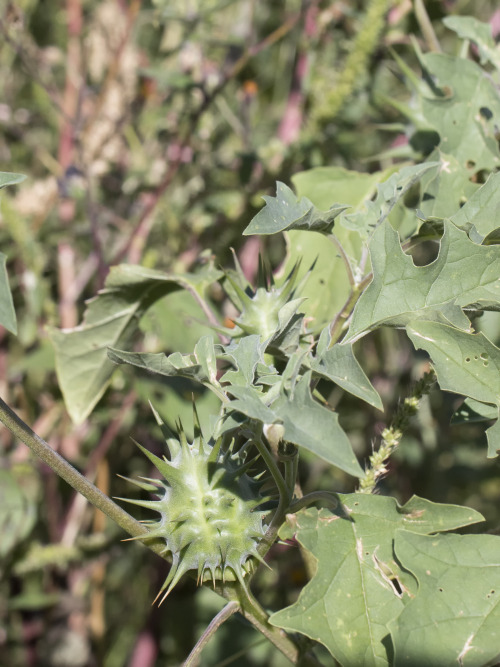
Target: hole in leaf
(467, 359)
(486, 113)
(470, 164)
(484, 356)
(424, 253)
(425, 141)
(486, 363)
(397, 585)
(440, 590)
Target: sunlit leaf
(359, 587)
(286, 211)
(111, 320)
(464, 273)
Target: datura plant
(389, 584)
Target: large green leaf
(7, 312)
(327, 287)
(462, 106)
(286, 211)
(465, 363)
(359, 588)
(111, 320)
(389, 193)
(455, 616)
(464, 273)
(307, 423)
(464, 112)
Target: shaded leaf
(7, 312)
(455, 616)
(111, 320)
(463, 273)
(285, 212)
(17, 512)
(359, 588)
(472, 411)
(465, 363)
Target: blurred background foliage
(149, 132)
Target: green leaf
(173, 365)
(472, 411)
(478, 32)
(316, 428)
(9, 178)
(339, 365)
(455, 616)
(7, 312)
(111, 320)
(464, 273)
(463, 112)
(359, 588)
(244, 356)
(17, 512)
(307, 423)
(482, 209)
(465, 363)
(285, 212)
(389, 193)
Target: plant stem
(75, 479)
(313, 497)
(274, 470)
(193, 659)
(391, 436)
(250, 609)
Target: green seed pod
(208, 506)
(268, 310)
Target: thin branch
(193, 659)
(426, 27)
(75, 479)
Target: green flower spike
(208, 508)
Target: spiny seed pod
(208, 509)
(267, 310)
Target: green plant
(389, 585)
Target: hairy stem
(75, 479)
(193, 659)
